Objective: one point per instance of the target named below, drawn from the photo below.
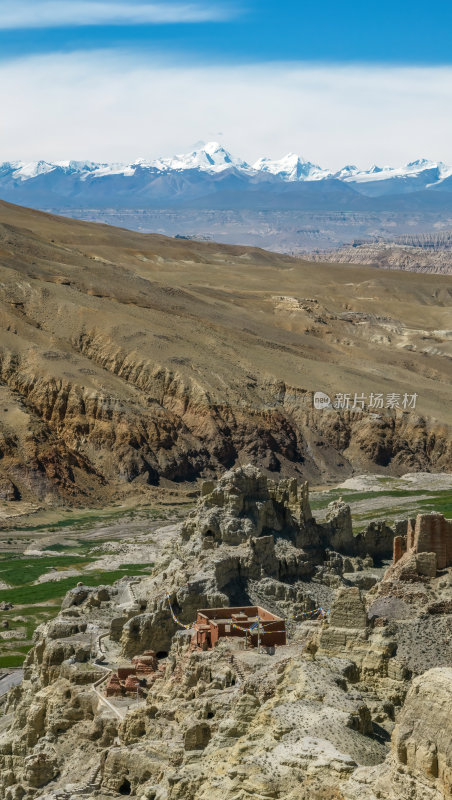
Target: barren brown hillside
(134, 358)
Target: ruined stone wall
(400, 547)
(348, 610)
(433, 534)
(430, 533)
(245, 503)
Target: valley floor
(49, 552)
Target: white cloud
(59, 13)
(107, 106)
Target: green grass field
(8, 662)
(30, 594)
(89, 519)
(384, 502)
(31, 583)
(83, 546)
(320, 500)
(19, 571)
(29, 598)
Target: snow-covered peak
(214, 158)
(79, 166)
(347, 172)
(24, 170)
(421, 163)
(211, 157)
(292, 168)
(445, 170)
(412, 170)
(103, 170)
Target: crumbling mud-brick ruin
(133, 678)
(353, 701)
(429, 533)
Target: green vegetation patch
(385, 503)
(89, 519)
(27, 611)
(442, 503)
(51, 590)
(33, 616)
(19, 571)
(83, 546)
(29, 596)
(353, 497)
(7, 662)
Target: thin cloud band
(76, 13)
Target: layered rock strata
(120, 367)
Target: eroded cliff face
(419, 765)
(355, 706)
(127, 359)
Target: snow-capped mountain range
(210, 171)
(214, 158)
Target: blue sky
(291, 30)
(117, 79)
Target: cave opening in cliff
(125, 788)
(162, 654)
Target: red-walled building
(251, 623)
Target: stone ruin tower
(245, 504)
(429, 533)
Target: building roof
(238, 614)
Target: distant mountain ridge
(210, 174)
